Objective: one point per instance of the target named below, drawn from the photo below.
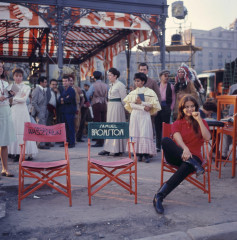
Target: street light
(128, 57)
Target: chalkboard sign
(108, 130)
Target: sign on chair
(108, 130)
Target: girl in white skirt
(142, 103)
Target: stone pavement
(188, 215)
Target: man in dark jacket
(98, 93)
(68, 110)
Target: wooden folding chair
(203, 184)
(44, 173)
(229, 129)
(109, 171)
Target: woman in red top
(189, 131)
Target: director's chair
(109, 171)
(44, 173)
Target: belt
(115, 100)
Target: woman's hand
(2, 99)
(12, 93)
(138, 100)
(147, 109)
(186, 154)
(196, 116)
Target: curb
(224, 231)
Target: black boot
(147, 158)
(139, 157)
(158, 198)
(198, 168)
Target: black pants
(162, 116)
(173, 156)
(99, 111)
(84, 113)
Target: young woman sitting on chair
(189, 132)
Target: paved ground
(113, 214)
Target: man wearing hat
(97, 94)
(167, 104)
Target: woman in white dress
(20, 115)
(6, 125)
(142, 103)
(115, 112)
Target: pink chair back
(42, 133)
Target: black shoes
(71, 145)
(158, 149)
(43, 147)
(117, 154)
(80, 140)
(102, 153)
(97, 145)
(139, 157)
(198, 168)
(16, 158)
(158, 198)
(147, 158)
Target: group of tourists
(149, 105)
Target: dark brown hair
(181, 114)
(18, 70)
(3, 76)
(115, 72)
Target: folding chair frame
(107, 170)
(44, 173)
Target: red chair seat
(112, 164)
(44, 165)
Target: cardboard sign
(108, 130)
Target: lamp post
(128, 57)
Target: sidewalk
(187, 211)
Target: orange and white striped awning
(20, 29)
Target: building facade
(219, 46)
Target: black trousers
(99, 111)
(162, 116)
(84, 113)
(173, 155)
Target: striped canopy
(100, 35)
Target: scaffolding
(230, 74)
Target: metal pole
(60, 40)
(162, 53)
(128, 55)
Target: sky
(202, 14)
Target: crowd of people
(149, 103)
